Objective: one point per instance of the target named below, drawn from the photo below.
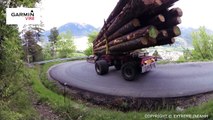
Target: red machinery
(130, 64)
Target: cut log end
(176, 12)
(179, 20)
(152, 41)
(153, 2)
(158, 2)
(136, 23)
(144, 41)
(176, 31)
(164, 33)
(161, 18)
(153, 32)
(172, 41)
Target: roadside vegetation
(202, 47)
(201, 51)
(89, 49)
(15, 101)
(60, 46)
(17, 49)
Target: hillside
(82, 30)
(186, 34)
(78, 30)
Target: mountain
(186, 34)
(78, 30)
(82, 30)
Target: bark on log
(175, 12)
(152, 20)
(165, 41)
(159, 19)
(116, 11)
(173, 21)
(129, 12)
(162, 34)
(167, 4)
(142, 42)
(149, 31)
(129, 27)
(173, 32)
(169, 23)
(159, 10)
(130, 45)
(118, 8)
(135, 9)
(121, 31)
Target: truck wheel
(117, 65)
(101, 67)
(129, 71)
(139, 69)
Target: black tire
(129, 71)
(139, 69)
(117, 65)
(101, 67)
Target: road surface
(171, 80)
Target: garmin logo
(28, 16)
(23, 16)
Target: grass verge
(70, 109)
(18, 107)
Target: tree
(19, 3)
(203, 45)
(156, 54)
(46, 52)
(10, 49)
(53, 38)
(37, 30)
(91, 38)
(65, 45)
(31, 48)
(13, 75)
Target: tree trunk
(174, 31)
(131, 26)
(149, 31)
(165, 41)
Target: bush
(202, 47)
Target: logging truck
(132, 25)
(131, 64)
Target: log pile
(136, 24)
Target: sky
(59, 12)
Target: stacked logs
(136, 24)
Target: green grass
(78, 55)
(18, 107)
(75, 110)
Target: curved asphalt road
(171, 80)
